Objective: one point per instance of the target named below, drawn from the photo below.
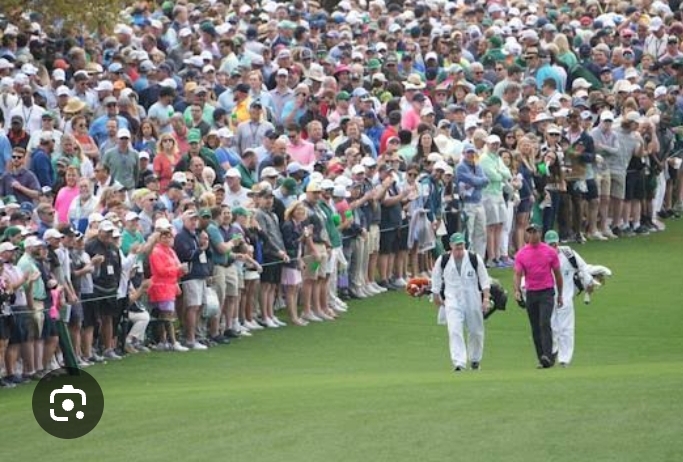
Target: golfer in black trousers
(540, 266)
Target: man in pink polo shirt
(538, 263)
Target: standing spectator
(18, 181)
(31, 113)
(538, 263)
(471, 180)
(123, 161)
(492, 198)
(166, 271)
(274, 253)
(41, 162)
(191, 248)
(106, 283)
(294, 239)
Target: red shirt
(388, 133)
(536, 263)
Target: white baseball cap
(130, 216)
(123, 133)
(233, 173)
(52, 233)
(107, 226)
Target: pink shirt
(304, 152)
(536, 263)
(65, 197)
(410, 120)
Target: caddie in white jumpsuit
(562, 319)
(463, 302)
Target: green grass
(377, 386)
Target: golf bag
(498, 294)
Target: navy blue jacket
(186, 246)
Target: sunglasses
(17, 157)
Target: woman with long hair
(165, 160)
(80, 133)
(565, 55)
(294, 237)
(146, 139)
(67, 194)
(549, 184)
(525, 167)
(425, 146)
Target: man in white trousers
(562, 319)
(458, 286)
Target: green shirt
(216, 239)
(129, 239)
(28, 265)
(497, 173)
(332, 231)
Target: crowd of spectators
(211, 170)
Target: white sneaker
(312, 317)
(339, 301)
(253, 325)
(197, 346)
(278, 321)
(597, 236)
(400, 282)
(367, 292)
(178, 347)
(338, 308)
(378, 288)
(270, 323)
(163, 346)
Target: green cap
(194, 136)
(205, 213)
(457, 238)
(481, 88)
(289, 184)
(240, 212)
(11, 232)
(343, 96)
(551, 237)
(493, 101)
(374, 63)
(49, 115)
(496, 41)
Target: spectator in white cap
(41, 164)
(83, 205)
(235, 194)
(123, 161)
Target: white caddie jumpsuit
(463, 307)
(562, 320)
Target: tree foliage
(86, 16)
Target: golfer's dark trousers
(539, 307)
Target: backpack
(569, 253)
(444, 261)
(498, 294)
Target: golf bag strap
(569, 253)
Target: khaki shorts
(316, 269)
(194, 292)
(617, 188)
(36, 321)
(494, 207)
(603, 181)
(373, 239)
(225, 282)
